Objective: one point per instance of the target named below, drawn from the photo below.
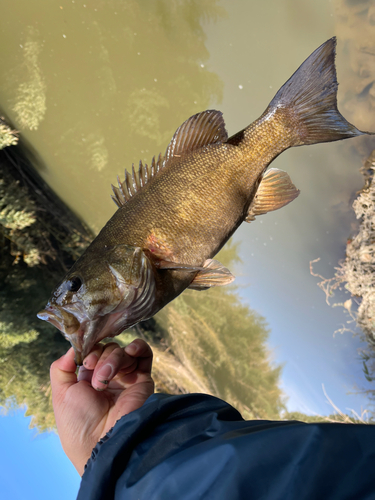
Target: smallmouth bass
(176, 214)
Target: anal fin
(275, 191)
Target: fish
(175, 214)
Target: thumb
(63, 373)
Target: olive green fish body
(193, 206)
(176, 214)
(189, 208)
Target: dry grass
(357, 271)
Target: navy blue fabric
(196, 446)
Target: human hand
(112, 382)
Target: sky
(33, 465)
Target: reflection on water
(120, 78)
(104, 84)
(38, 241)
(228, 351)
(30, 96)
(355, 27)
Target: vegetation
(223, 343)
(356, 272)
(339, 418)
(39, 240)
(30, 106)
(355, 33)
(8, 137)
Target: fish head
(104, 293)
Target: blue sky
(33, 466)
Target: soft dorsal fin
(199, 130)
(275, 191)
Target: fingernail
(104, 373)
(131, 348)
(90, 360)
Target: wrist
(78, 454)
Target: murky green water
(95, 87)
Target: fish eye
(74, 284)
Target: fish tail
(309, 100)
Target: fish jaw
(101, 328)
(85, 334)
(68, 324)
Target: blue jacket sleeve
(198, 447)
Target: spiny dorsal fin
(275, 191)
(135, 181)
(199, 130)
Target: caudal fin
(309, 98)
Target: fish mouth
(68, 324)
(82, 333)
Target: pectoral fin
(275, 191)
(213, 274)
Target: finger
(142, 351)
(93, 357)
(113, 360)
(63, 372)
(91, 360)
(84, 374)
